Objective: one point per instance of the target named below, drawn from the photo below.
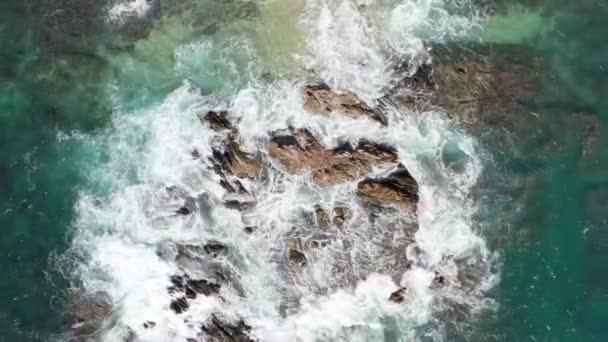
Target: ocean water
(99, 105)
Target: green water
(551, 184)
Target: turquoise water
(551, 184)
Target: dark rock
(214, 248)
(179, 305)
(249, 229)
(399, 189)
(219, 331)
(398, 296)
(149, 324)
(218, 121)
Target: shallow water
(95, 127)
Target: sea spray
(155, 158)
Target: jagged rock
(218, 121)
(320, 99)
(339, 217)
(438, 282)
(218, 331)
(298, 150)
(190, 288)
(249, 229)
(398, 296)
(215, 248)
(294, 252)
(85, 313)
(179, 305)
(322, 218)
(236, 162)
(399, 189)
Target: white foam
(126, 215)
(129, 8)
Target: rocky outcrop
(477, 85)
(340, 217)
(236, 162)
(217, 330)
(320, 99)
(299, 151)
(184, 288)
(398, 189)
(217, 121)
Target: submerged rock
(320, 99)
(398, 189)
(86, 313)
(298, 150)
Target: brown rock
(299, 151)
(294, 252)
(236, 162)
(320, 99)
(339, 217)
(322, 218)
(399, 189)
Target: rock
(179, 305)
(188, 207)
(218, 121)
(320, 99)
(85, 313)
(215, 248)
(249, 229)
(218, 331)
(236, 162)
(294, 252)
(298, 150)
(191, 288)
(476, 84)
(399, 189)
(322, 218)
(149, 324)
(339, 217)
(438, 282)
(398, 296)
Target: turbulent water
(104, 147)
(130, 240)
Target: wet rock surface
(399, 189)
(185, 288)
(217, 330)
(86, 313)
(321, 99)
(299, 151)
(237, 162)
